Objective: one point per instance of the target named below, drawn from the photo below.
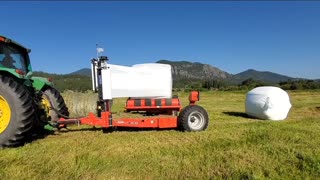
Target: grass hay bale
(267, 102)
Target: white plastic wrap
(271, 103)
(142, 80)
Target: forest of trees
(72, 82)
(300, 84)
(250, 83)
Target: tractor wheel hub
(5, 114)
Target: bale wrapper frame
(163, 113)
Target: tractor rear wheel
(54, 103)
(193, 118)
(16, 113)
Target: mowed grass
(233, 146)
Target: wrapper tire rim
(196, 120)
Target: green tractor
(27, 103)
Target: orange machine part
(194, 97)
(106, 121)
(150, 122)
(153, 105)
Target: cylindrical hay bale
(151, 80)
(267, 102)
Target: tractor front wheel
(17, 113)
(193, 118)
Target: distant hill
(182, 72)
(181, 69)
(199, 71)
(185, 69)
(83, 71)
(190, 74)
(263, 76)
(62, 82)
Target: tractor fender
(39, 83)
(10, 72)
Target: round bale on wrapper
(267, 102)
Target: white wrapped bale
(271, 103)
(142, 80)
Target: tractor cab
(14, 58)
(15, 62)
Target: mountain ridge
(199, 71)
(194, 70)
(263, 76)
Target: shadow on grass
(68, 129)
(38, 134)
(239, 114)
(113, 129)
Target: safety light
(19, 71)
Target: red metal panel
(147, 107)
(96, 121)
(143, 102)
(130, 103)
(174, 106)
(168, 122)
(194, 97)
(156, 122)
(149, 122)
(136, 122)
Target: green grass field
(233, 146)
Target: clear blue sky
(282, 37)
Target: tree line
(74, 82)
(250, 83)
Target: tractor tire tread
(59, 103)
(19, 128)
